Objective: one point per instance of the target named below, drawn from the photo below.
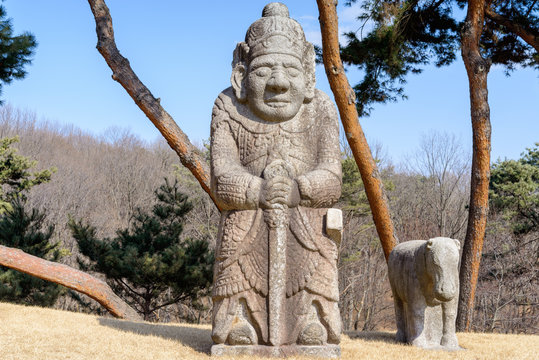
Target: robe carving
(242, 146)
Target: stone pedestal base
(322, 351)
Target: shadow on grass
(387, 337)
(200, 339)
(195, 338)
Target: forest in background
(103, 180)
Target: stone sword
(277, 220)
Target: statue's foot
(450, 341)
(420, 341)
(312, 334)
(242, 334)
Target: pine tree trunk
(64, 275)
(345, 99)
(477, 68)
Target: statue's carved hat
(276, 33)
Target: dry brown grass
(37, 333)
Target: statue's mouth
(277, 103)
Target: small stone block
(334, 225)
(330, 351)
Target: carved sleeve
(232, 185)
(322, 186)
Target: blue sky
(182, 51)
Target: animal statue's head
(442, 265)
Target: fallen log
(67, 276)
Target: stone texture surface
(276, 171)
(326, 351)
(425, 282)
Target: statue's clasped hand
(279, 191)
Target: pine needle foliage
(15, 51)
(16, 179)
(396, 38)
(514, 189)
(28, 231)
(150, 265)
(25, 230)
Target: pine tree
(514, 190)
(16, 179)
(27, 231)
(149, 265)
(407, 35)
(15, 51)
(24, 230)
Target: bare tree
(507, 299)
(440, 167)
(364, 298)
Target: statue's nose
(278, 82)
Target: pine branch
(122, 72)
(130, 289)
(170, 302)
(530, 36)
(530, 8)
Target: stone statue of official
(276, 171)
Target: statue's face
(275, 86)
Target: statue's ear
(238, 82)
(309, 68)
(239, 59)
(457, 243)
(429, 244)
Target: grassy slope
(37, 333)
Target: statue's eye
(262, 72)
(293, 72)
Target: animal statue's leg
(449, 311)
(416, 317)
(399, 316)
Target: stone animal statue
(276, 172)
(424, 280)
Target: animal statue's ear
(429, 244)
(457, 243)
(238, 82)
